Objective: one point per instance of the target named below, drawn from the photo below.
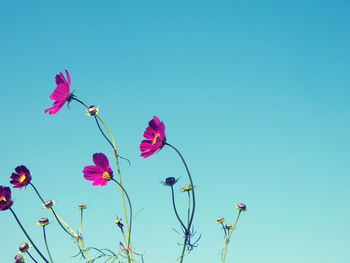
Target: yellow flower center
(155, 138)
(106, 176)
(22, 178)
(2, 198)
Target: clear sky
(255, 94)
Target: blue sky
(255, 94)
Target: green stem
(128, 224)
(130, 207)
(47, 247)
(227, 238)
(30, 240)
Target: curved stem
(190, 178)
(47, 247)
(51, 209)
(227, 238)
(61, 221)
(187, 230)
(31, 257)
(30, 240)
(42, 200)
(175, 210)
(74, 98)
(128, 225)
(104, 135)
(130, 207)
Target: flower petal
(60, 93)
(101, 160)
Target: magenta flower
(21, 177)
(155, 137)
(5, 197)
(100, 173)
(61, 93)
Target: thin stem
(30, 240)
(47, 247)
(130, 207)
(224, 228)
(81, 221)
(128, 225)
(189, 207)
(51, 209)
(227, 239)
(42, 200)
(31, 257)
(187, 230)
(104, 135)
(183, 250)
(74, 98)
(190, 178)
(175, 210)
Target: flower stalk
(26, 234)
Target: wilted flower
(100, 173)
(43, 221)
(220, 220)
(241, 207)
(170, 181)
(155, 137)
(61, 93)
(92, 110)
(186, 188)
(21, 177)
(5, 197)
(24, 247)
(19, 258)
(81, 206)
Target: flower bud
(24, 247)
(49, 204)
(241, 207)
(220, 220)
(81, 206)
(170, 181)
(186, 188)
(19, 258)
(43, 221)
(228, 226)
(92, 110)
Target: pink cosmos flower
(5, 197)
(21, 177)
(61, 93)
(155, 137)
(100, 173)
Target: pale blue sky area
(255, 94)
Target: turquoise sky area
(255, 95)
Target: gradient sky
(255, 94)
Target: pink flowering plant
(101, 172)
